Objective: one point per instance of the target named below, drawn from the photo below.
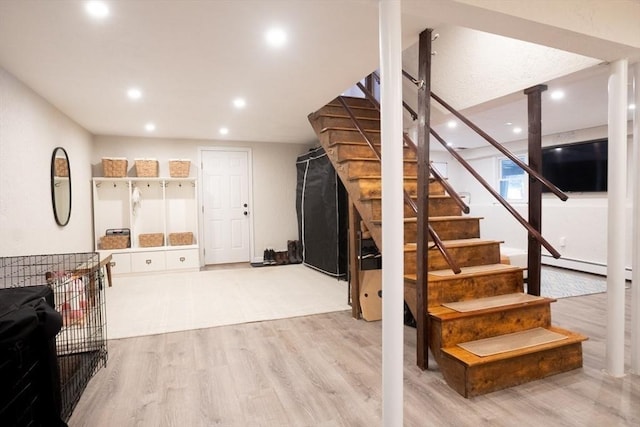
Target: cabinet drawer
(187, 258)
(120, 263)
(147, 261)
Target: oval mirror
(61, 186)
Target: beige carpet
(491, 302)
(510, 342)
(160, 303)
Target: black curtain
(321, 204)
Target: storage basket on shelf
(114, 167)
(151, 239)
(61, 167)
(181, 239)
(179, 168)
(114, 242)
(147, 168)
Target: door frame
(247, 150)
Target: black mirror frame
(60, 221)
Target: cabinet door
(186, 258)
(120, 263)
(147, 261)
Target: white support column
(392, 213)
(635, 263)
(616, 187)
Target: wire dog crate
(77, 283)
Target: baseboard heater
(581, 265)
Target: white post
(616, 187)
(392, 213)
(635, 263)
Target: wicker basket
(61, 167)
(151, 240)
(179, 168)
(114, 242)
(181, 239)
(114, 167)
(147, 168)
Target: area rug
(558, 283)
(510, 342)
(159, 303)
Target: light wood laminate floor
(324, 370)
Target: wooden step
(447, 228)
(474, 282)
(330, 136)
(466, 252)
(370, 186)
(353, 101)
(358, 166)
(439, 205)
(345, 121)
(449, 327)
(471, 375)
(359, 111)
(347, 150)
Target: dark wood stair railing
(436, 239)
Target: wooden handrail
(436, 239)
(533, 232)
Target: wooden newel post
(424, 99)
(534, 98)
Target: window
(513, 182)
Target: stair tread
(457, 243)
(446, 218)
(378, 177)
(491, 302)
(431, 196)
(442, 313)
(328, 128)
(371, 159)
(346, 116)
(470, 359)
(476, 270)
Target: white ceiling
(192, 58)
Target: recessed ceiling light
(97, 9)
(134, 93)
(557, 95)
(517, 130)
(276, 37)
(449, 144)
(239, 103)
(508, 123)
(632, 106)
(224, 131)
(150, 127)
(452, 123)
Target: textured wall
(30, 128)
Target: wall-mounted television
(580, 167)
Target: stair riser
(371, 187)
(470, 328)
(446, 230)
(353, 102)
(358, 111)
(443, 291)
(465, 257)
(437, 207)
(331, 137)
(349, 151)
(358, 168)
(486, 378)
(346, 122)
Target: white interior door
(226, 210)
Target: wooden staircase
(482, 277)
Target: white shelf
(167, 205)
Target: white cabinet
(147, 206)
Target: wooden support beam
(424, 98)
(534, 103)
(354, 261)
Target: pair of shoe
(294, 251)
(269, 257)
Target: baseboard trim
(581, 265)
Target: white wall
(30, 129)
(581, 221)
(274, 178)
